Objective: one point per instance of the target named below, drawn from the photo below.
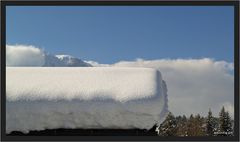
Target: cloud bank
(24, 55)
(194, 85)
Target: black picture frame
(5, 3)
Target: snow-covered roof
(84, 97)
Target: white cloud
(96, 64)
(24, 55)
(194, 85)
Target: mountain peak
(64, 61)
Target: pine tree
(168, 127)
(210, 124)
(225, 125)
(199, 126)
(184, 118)
(229, 129)
(195, 126)
(181, 125)
(190, 125)
(184, 127)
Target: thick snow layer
(41, 98)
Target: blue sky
(110, 34)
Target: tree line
(197, 125)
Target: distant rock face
(63, 61)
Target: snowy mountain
(30, 56)
(64, 61)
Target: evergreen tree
(229, 128)
(225, 125)
(168, 127)
(184, 126)
(181, 126)
(190, 125)
(210, 124)
(184, 118)
(195, 126)
(199, 127)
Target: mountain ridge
(64, 61)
